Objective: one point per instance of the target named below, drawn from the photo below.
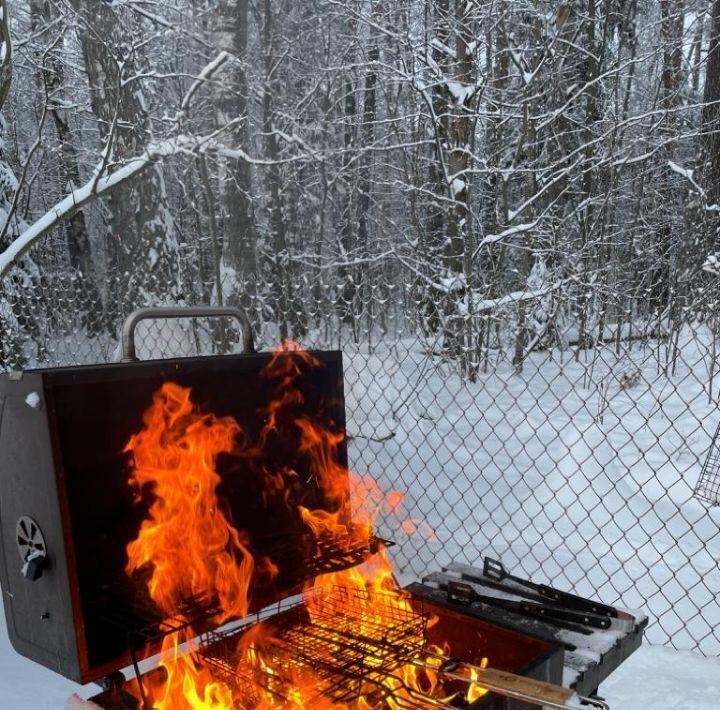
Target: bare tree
(231, 100)
(45, 17)
(141, 224)
(708, 159)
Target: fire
(193, 551)
(189, 552)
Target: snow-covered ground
(570, 472)
(658, 678)
(25, 685)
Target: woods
(501, 177)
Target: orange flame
(191, 552)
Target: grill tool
(463, 593)
(495, 570)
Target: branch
(94, 188)
(100, 184)
(5, 53)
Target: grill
(344, 651)
(74, 502)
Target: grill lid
(65, 468)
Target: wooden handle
(524, 688)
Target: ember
(355, 640)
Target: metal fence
(578, 471)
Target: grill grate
(708, 485)
(127, 605)
(330, 642)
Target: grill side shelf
(591, 655)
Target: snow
(657, 678)
(93, 188)
(33, 400)
(487, 304)
(712, 264)
(25, 685)
(562, 472)
(458, 185)
(451, 283)
(441, 47)
(461, 93)
(685, 172)
(102, 183)
(505, 234)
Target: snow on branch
(489, 304)
(206, 74)
(94, 188)
(101, 184)
(505, 234)
(712, 264)
(690, 176)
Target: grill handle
(128, 331)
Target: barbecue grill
(68, 514)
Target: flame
(188, 683)
(193, 552)
(189, 552)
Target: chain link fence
(579, 470)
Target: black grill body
(63, 470)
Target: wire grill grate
(329, 640)
(708, 485)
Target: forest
(501, 177)
(505, 213)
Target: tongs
(545, 601)
(495, 570)
(462, 593)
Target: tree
(231, 101)
(142, 235)
(708, 156)
(46, 19)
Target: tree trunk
(348, 230)
(367, 137)
(280, 256)
(671, 31)
(708, 162)
(140, 222)
(240, 236)
(702, 225)
(87, 293)
(452, 103)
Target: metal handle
(128, 331)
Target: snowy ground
(562, 472)
(657, 678)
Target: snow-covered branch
(93, 189)
(102, 183)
